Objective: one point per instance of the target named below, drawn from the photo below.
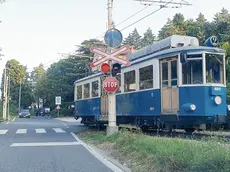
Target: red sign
(113, 56)
(58, 107)
(110, 84)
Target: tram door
(169, 89)
(104, 102)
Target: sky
(37, 31)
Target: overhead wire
(162, 6)
(128, 18)
(146, 15)
(115, 25)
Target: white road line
(58, 130)
(21, 131)
(3, 131)
(65, 124)
(98, 156)
(44, 144)
(13, 119)
(40, 130)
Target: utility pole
(19, 97)
(8, 113)
(5, 98)
(112, 116)
(110, 12)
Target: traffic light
(116, 69)
(105, 68)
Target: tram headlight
(192, 107)
(228, 107)
(218, 100)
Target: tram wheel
(189, 130)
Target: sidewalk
(69, 119)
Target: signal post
(113, 39)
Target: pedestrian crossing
(37, 131)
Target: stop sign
(110, 84)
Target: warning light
(116, 69)
(105, 68)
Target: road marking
(21, 131)
(44, 144)
(97, 155)
(40, 130)
(65, 124)
(3, 131)
(58, 130)
(13, 119)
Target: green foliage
(144, 153)
(134, 39)
(200, 28)
(148, 38)
(60, 77)
(38, 79)
(17, 74)
(62, 113)
(85, 46)
(15, 71)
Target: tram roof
(163, 54)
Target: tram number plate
(217, 89)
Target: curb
(98, 156)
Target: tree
(60, 77)
(27, 96)
(84, 48)
(134, 39)
(168, 29)
(38, 79)
(17, 74)
(128, 40)
(173, 27)
(226, 47)
(222, 25)
(16, 71)
(197, 28)
(149, 38)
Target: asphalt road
(40, 144)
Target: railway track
(197, 135)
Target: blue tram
(173, 83)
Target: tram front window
(214, 68)
(192, 72)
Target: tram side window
(79, 92)
(118, 77)
(129, 81)
(95, 89)
(173, 73)
(192, 72)
(86, 90)
(165, 74)
(146, 77)
(214, 68)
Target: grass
(156, 154)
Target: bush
(62, 112)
